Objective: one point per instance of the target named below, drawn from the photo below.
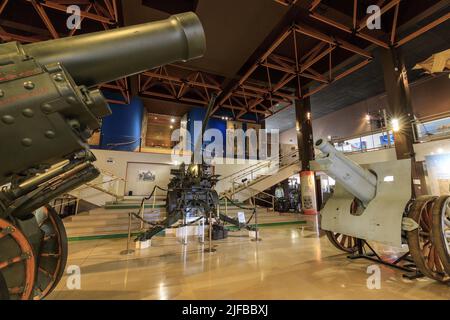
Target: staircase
(255, 179)
(111, 221)
(111, 218)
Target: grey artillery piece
(375, 202)
(48, 111)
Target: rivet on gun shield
(28, 85)
(50, 134)
(28, 113)
(27, 142)
(8, 119)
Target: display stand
(128, 251)
(256, 238)
(403, 263)
(210, 249)
(201, 230)
(184, 231)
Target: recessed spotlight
(171, 127)
(156, 118)
(172, 120)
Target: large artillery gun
(191, 195)
(49, 108)
(375, 202)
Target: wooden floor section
(291, 262)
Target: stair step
(102, 223)
(112, 216)
(88, 232)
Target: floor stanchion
(257, 238)
(128, 250)
(211, 249)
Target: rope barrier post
(154, 198)
(142, 213)
(257, 238)
(226, 206)
(185, 230)
(201, 230)
(128, 250)
(211, 249)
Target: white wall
(118, 166)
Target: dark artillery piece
(376, 203)
(48, 111)
(191, 194)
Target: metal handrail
(272, 202)
(252, 182)
(281, 158)
(259, 166)
(97, 186)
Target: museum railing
(106, 183)
(258, 172)
(379, 139)
(261, 197)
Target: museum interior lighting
(140, 161)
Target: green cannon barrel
(104, 56)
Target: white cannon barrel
(355, 179)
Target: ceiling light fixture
(395, 125)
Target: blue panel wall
(198, 114)
(122, 130)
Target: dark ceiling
(238, 31)
(369, 81)
(234, 28)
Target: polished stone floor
(291, 262)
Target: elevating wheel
(53, 252)
(343, 242)
(441, 230)
(17, 262)
(420, 240)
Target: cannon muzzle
(358, 181)
(100, 57)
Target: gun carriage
(49, 108)
(191, 195)
(375, 202)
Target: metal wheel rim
(53, 247)
(420, 241)
(441, 230)
(446, 225)
(23, 291)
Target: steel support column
(304, 132)
(398, 94)
(305, 144)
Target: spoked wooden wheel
(343, 242)
(420, 240)
(17, 262)
(53, 252)
(441, 230)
